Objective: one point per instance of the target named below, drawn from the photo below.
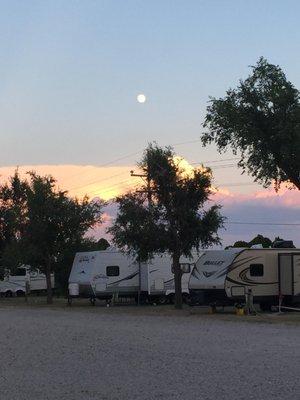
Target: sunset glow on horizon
(78, 180)
(107, 182)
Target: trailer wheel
(186, 298)
(171, 298)
(9, 293)
(162, 300)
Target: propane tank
(73, 289)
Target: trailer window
(112, 270)
(256, 269)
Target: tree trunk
(49, 286)
(177, 278)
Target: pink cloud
(284, 197)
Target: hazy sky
(70, 72)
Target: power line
(140, 152)
(224, 166)
(110, 162)
(123, 173)
(122, 188)
(107, 189)
(188, 142)
(216, 166)
(236, 184)
(214, 161)
(262, 223)
(128, 180)
(97, 181)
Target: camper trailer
(157, 277)
(103, 274)
(223, 277)
(14, 284)
(100, 274)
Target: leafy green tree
(173, 219)
(12, 221)
(53, 223)
(260, 119)
(258, 239)
(12, 210)
(101, 244)
(240, 243)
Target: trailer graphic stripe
(241, 262)
(244, 278)
(235, 265)
(127, 278)
(248, 282)
(236, 282)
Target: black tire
(162, 300)
(20, 293)
(9, 293)
(186, 298)
(171, 298)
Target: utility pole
(148, 183)
(149, 197)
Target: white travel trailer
(15, 285)
(223, 277)
(157, 278)
(101, 274)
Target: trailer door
(296, 274)
(285, 274)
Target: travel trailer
(223, 277)
(103, 274)
(157, 278)
(15, 285)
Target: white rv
(101, 274)
(15, 285)
(222, 277)
(157, 277)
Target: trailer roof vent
(283, 244)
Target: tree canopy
(260, 120)
(40, 223)
(167, 213)
(258, 239)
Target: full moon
(141, 98)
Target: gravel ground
(77, 354)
